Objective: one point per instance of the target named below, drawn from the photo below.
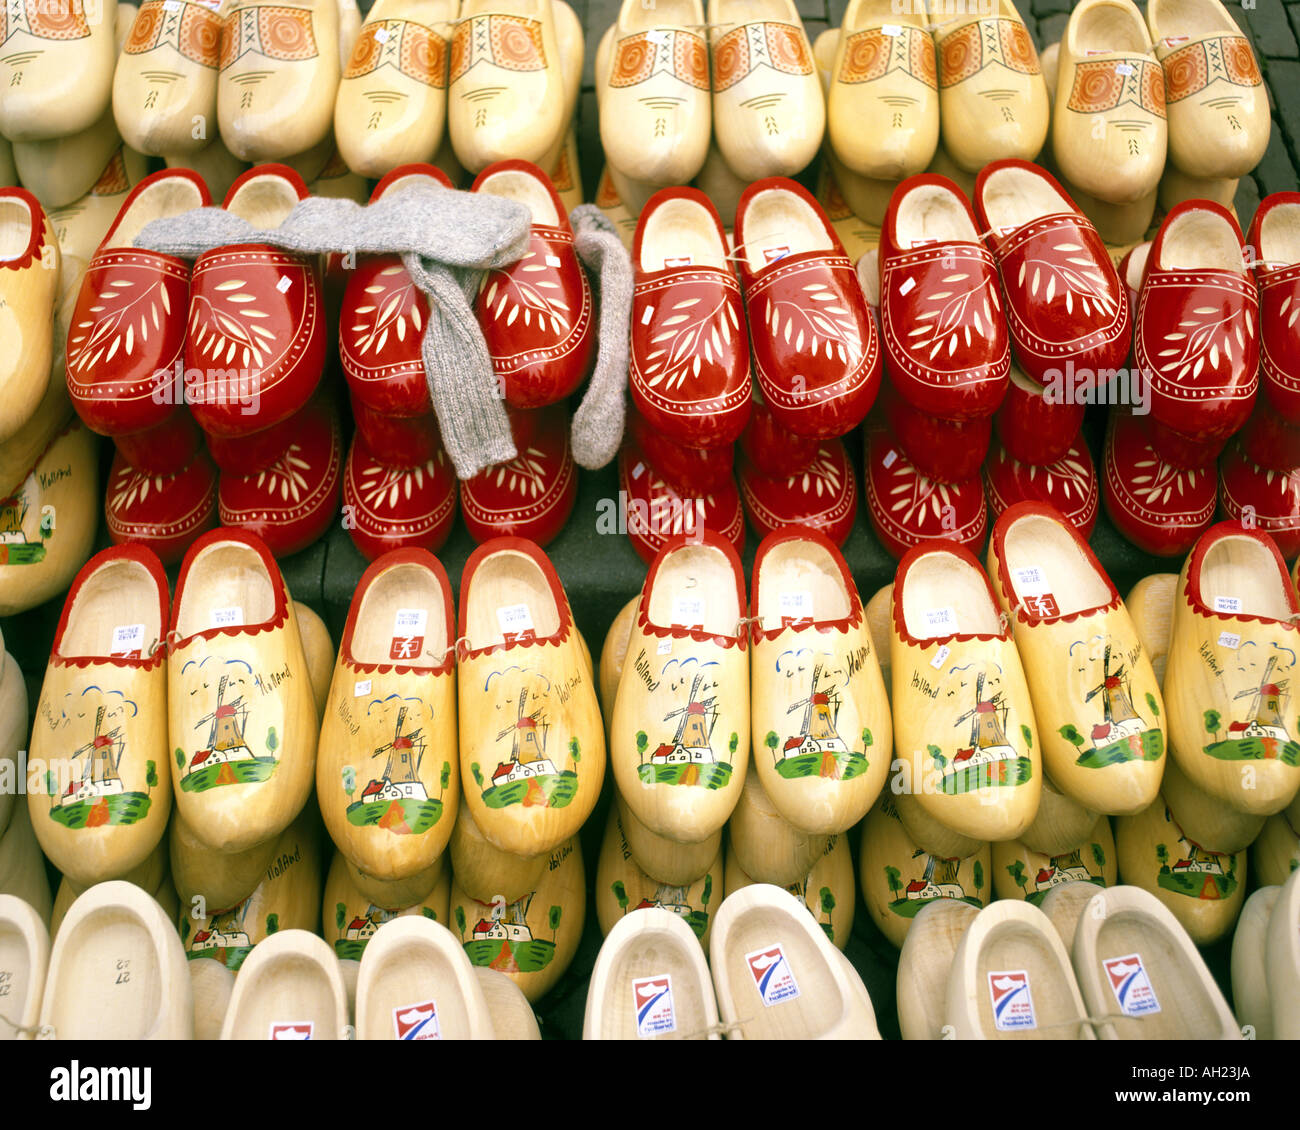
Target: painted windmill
(103, 754)
(401, 779)
(1120, 720)
(694, 727)
(1264, 716)
(528, 747)
(818, 733)
(988, 736)
(938, 880)
(227, 930)
(226, 737)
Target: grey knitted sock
(598, 422)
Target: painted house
(1054, 876)
(926, 887)
(216, 938)
(677, 754)
(521, 770)
(394, 790)
(361, 929)
(1106, 733)
(88, 789)
(506, 931)
(983, 755)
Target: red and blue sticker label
(1013, 1004)
(772, 975)
(1131, 985)
(653, 997)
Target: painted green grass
(1147, 746)
(1255, 749)
(123, 808)
(232, 957)
(229, 773)
(558, 789)
(508, 956)
(850, 764)
(418, 816)
(910, 908)
(714, 775)
(1006, 774)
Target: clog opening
(413, 985)
(265, 201)
(1279, 235)
(1015, 947)
(1108, 26)
(403, 603)
(933, 214)
(662, 13)
(779, 223)
(681, 233)
(512, 184)
(169, 196)
(15, 227)
(1191, 18)
(227, 586)
(1014, 196)
(868, 272)
(1137, 265)
(90, 998)
(652, 961)
(1041, 557)
(116, 611)
(864, 14)
(1200, 240)
(695, 583)
(800, 580)
(943, 589)
(411, 180)
(1023, 383)
(500, 586)
(1241, 568)
(289, 993)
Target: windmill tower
(820, 709)
(987, 719)
(1265, 711)
(226, 736)
(103, 753)
(696, 721)
(527, 746)
(402, 769)
(1116, 705)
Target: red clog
(127, 332)
(1033, 426)
(906, 507)
(537, 314)
(1180, 449)
(394, 507)
(770, 446)
(382, 320)
(691, 470)
(530, 496)
(948, 450)
(1131, 269)
(164, 512)
(164, 449)
(401, 441)
(1160, 508)
(256, 330)
(1197, 337)
(689, 373)
(943, 332)
(1065, 304)
(1261, 499)
(1277, 270)
(291, 502)
(823, 497)
(1269, 440)
(652, 512)
(815, 349)
(1069, 484)
(246, 455)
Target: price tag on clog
(796, 605)
(1230, 640)
(361, 688)
(128, 641)
(940, 656)
(939, 621)
(226, 617)
(688, 611)
(409, 627)
(515, 621)
(891, 30)
(1030, 581)
(1230, 604)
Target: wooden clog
(402, 441)
(1218, 106)
(898, 878)
(778, 976)
(1019, 873)
(821, 378)
(287, 897)
(622, 887)
(1269, 499)
(948, 451)
(882, 109)
(512, 1016)
(47, 521)
(764, 844)
(906, 508)
(349, 918)
(393, 700)
(218, 167)
(923, 964)
(127, 330)
(1206, 819)
(930, 835)
(857, 235)
(613, 654)
(1202, 369)
(1233, 723)
(392, 508)
(1061, 823)
(151, 876)
(164, 512)
(213, 985)
(820, 720)
(1011, 978)
(1064, 299)
(1202, 889)
(531, 939)
(165, 83)
(680, 739)
(689, 376)
(1117, 224)
(1282, 955)
(415, 983)
(241, 711)
(616, 211)
(506, 97)
(1159, 507)
(822, 497)
(1034, 429)
(877, 612)
(24, 956)
(1251, 993)
(483, 871)
(1268, 439)
(61, 58)
(1095, 695)
(13, 732)
(1064, 904)
(136, 988)
(29, 277)
(655, 93)
(828, 890)
(650, 981)
(1276, 271)
(771, 448)
(963, 719)
(399, 894)
(22, 866)
(987, 59)
(1151, 607)
(1109, 132)
(100, 723)
(531, 738)
(217, 879)
(291, 988)
(566, 175)
(391, 105)
(1137, 967)
(1068, 484)
(59, 170)
(1276, 850)
(318, 650)
(279, 76)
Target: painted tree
(707, 893)
(978, 872)
(151, 775)
(180, 758)
(772, 741)
(340, 916)
(349, 780)
(867, 740)
(732, 743)
(1019, 875)
(553, 917)
(1151, 702)
(827, 901)
(272, 924)
(575, 750)
(429, 912)
(1028, 735)
(477, 773)
(444, 778)
(642, 742)
(272, 740)
(1070, 732)
(459, 915)
(51, 786)
(620, 893)
(1098, 856)
(1162, 856)
(1213, 723)
(895, 880)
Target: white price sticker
(688, 611)
(679, 261)
(891, 457)
(284, 284)
(171, 5)
(225, 617)
(1230, 640)
(514, 619)
(940, 621)
(908, 285)
(941, 656)
(381, 35)
(665, 647)
(127, 638)
(1030, 581)
(797, 605)
(361, 689)
(1124, 68)
(410, 622)
(891, 29)
(1227, 604)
